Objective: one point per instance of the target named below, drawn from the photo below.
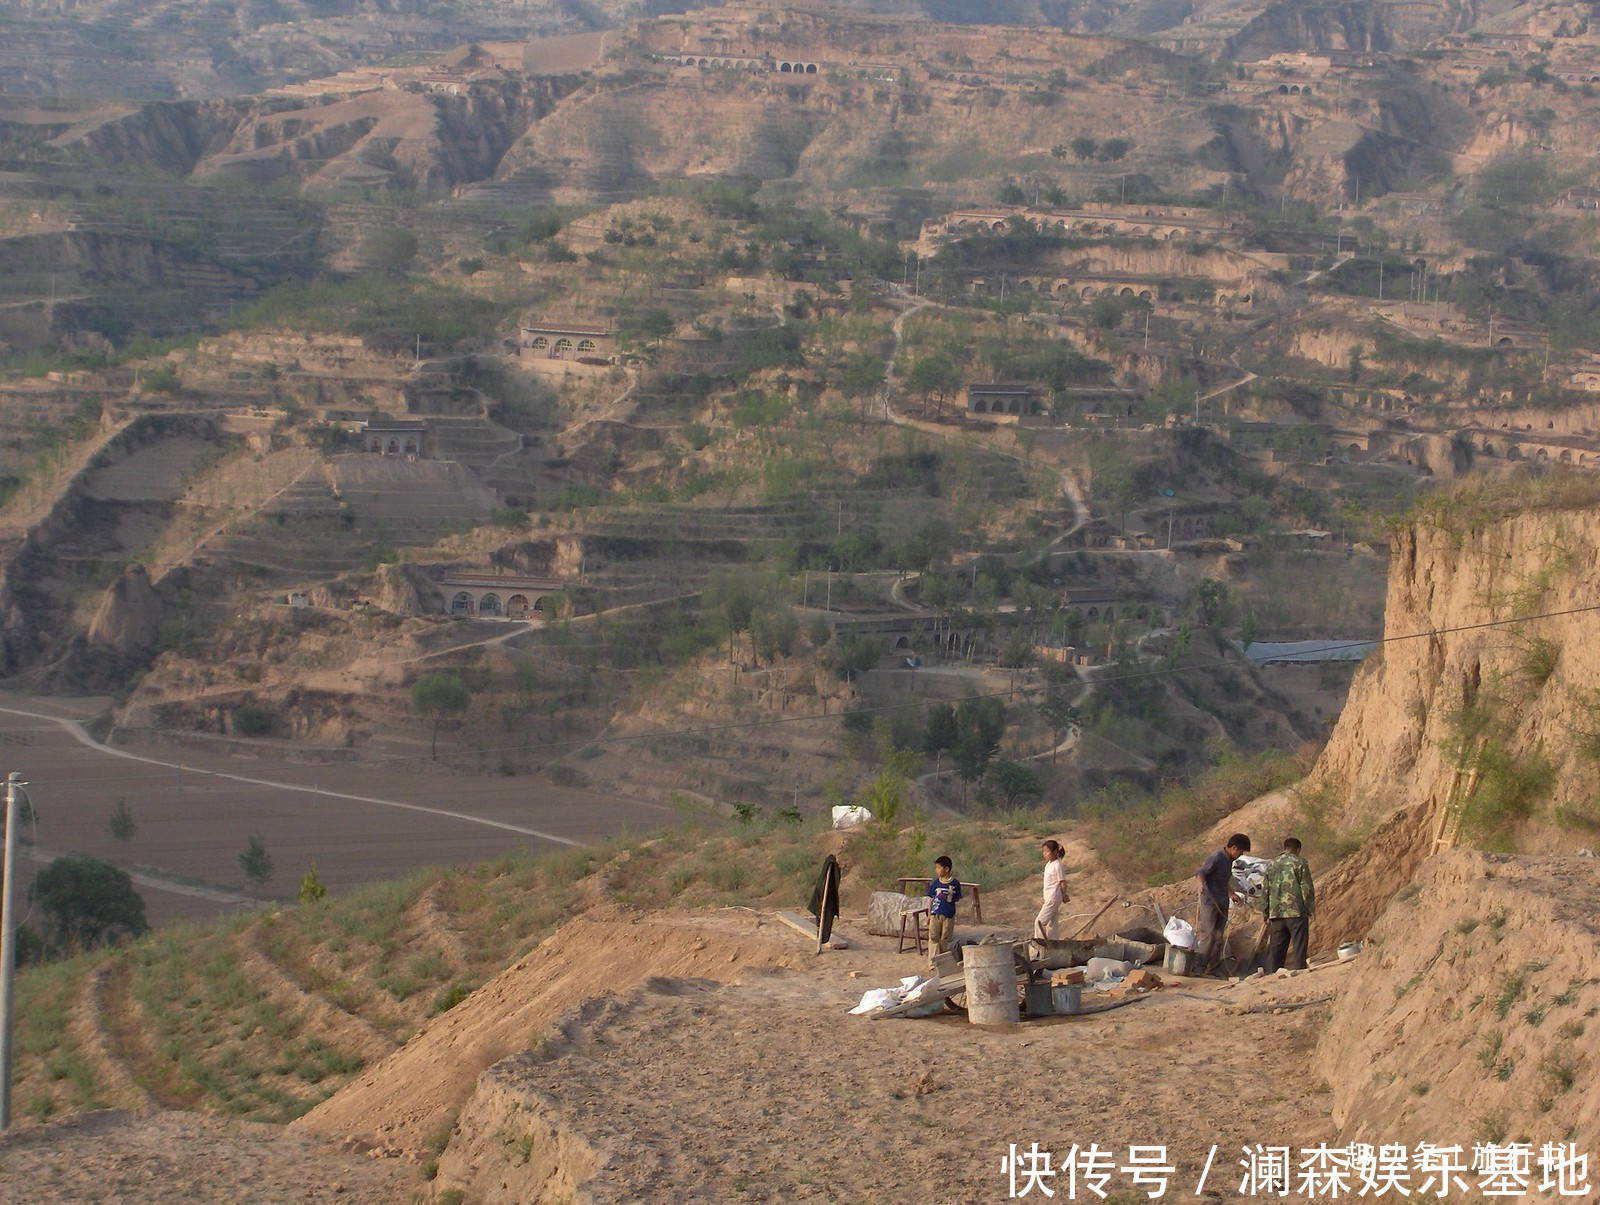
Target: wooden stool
(917, 915)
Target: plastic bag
(910, 989)
(1249, 874)
(878, 997)
(1179, 933)
(1107, 968)
(845, 816)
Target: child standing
(1055, 890)
(943, 893)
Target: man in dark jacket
(1217, 893)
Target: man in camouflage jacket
(1291, 899)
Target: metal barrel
(991, 974)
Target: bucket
(1178, 960)
(991, 975)
(1068, 998)
(1038, 1000)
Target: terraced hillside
(266, 1015)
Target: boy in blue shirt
(943, 892)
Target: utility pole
(1380, 279)
(8, 946)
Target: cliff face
(166, 136)
(1464, 1015)
(1479, 722)
(1285, 27)
(104, 517)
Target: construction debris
(1141, 980)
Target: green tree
(852, 653)
(1017, 650)
(860, 378)
(390, 250)
(1062, 715)
(940, 732)
(1113, 480)
(1084, 147)
(1181, 638)
(734, 599)
(85, 902)
(256, 861)
(1249, 630)
(1113, 149)
(121, 825)
(934, 376)
(1108, 310)
(1014, 782)
(649, 326)
(773, 631)
(984, 717)
(438, 696)
(884, 796)
(1211, 601)
(980, 723)
(971, 757)
(312, 890)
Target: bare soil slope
(1465, 1019)
(409, 1095)
(114, 1155)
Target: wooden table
(974, 888)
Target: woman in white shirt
(1055, 890)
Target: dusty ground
(742, 1069)
(114, 1156)
(770, 1090)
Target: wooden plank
(806, 925)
